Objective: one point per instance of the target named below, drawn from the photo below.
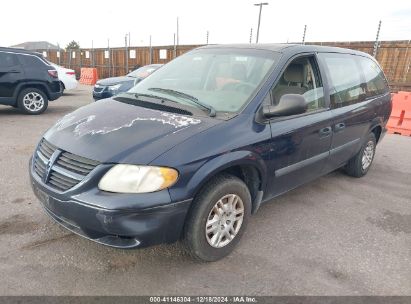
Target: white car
(66, 76)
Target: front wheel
(32, 101)
(218, 218)
(359, 165)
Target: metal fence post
(374, 53)
(109, 58)
(151, 52)
(126, 58)
(305, 30)
(175, 46)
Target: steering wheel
(238, 86)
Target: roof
(36, 45)
(17, 50)
(282, 47)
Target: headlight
(114, 87)
(137, 179)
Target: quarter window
(347, 87)
(31, 61)
(374, 78)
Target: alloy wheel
(224, 220)
(368, 155)
(33, 101)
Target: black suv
(27, 81)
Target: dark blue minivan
(193, 150)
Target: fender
(218, 164)
(27, 85)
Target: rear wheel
(218, 218)
(32, 101)
(359, 165)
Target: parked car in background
(109, 87)
(27, 81)
(66, 76)
(195, 149)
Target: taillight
(71, 73)
(53, 73)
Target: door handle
(324, 132)
(339, 127)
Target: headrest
(294, 73)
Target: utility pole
(207, 37)
(259, 18)
(251, 35)
(305, 30)
(374, 52)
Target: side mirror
(290, 104)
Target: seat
(291, 83)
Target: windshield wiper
(188, 97)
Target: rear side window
(7, 60)
(31, 61)
(374, 78)
(347, 86)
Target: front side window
(7, 60)
(224, 79)
(374, 77)
(345, 75)
(301, 77)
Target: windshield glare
(143, 72)
(225, 79)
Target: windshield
(144, 71)
(221, 79)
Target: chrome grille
(67, 170)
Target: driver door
(300, 143)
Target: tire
(222, 189)
(355, 166)
(32, 101)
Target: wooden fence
(393, 56)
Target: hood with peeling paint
(111, 131)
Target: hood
(115, 80)
(114, 132)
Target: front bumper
(120, 228)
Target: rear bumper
(56, 91)
(70, 83)
(119, 228)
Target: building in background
(36, 45)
